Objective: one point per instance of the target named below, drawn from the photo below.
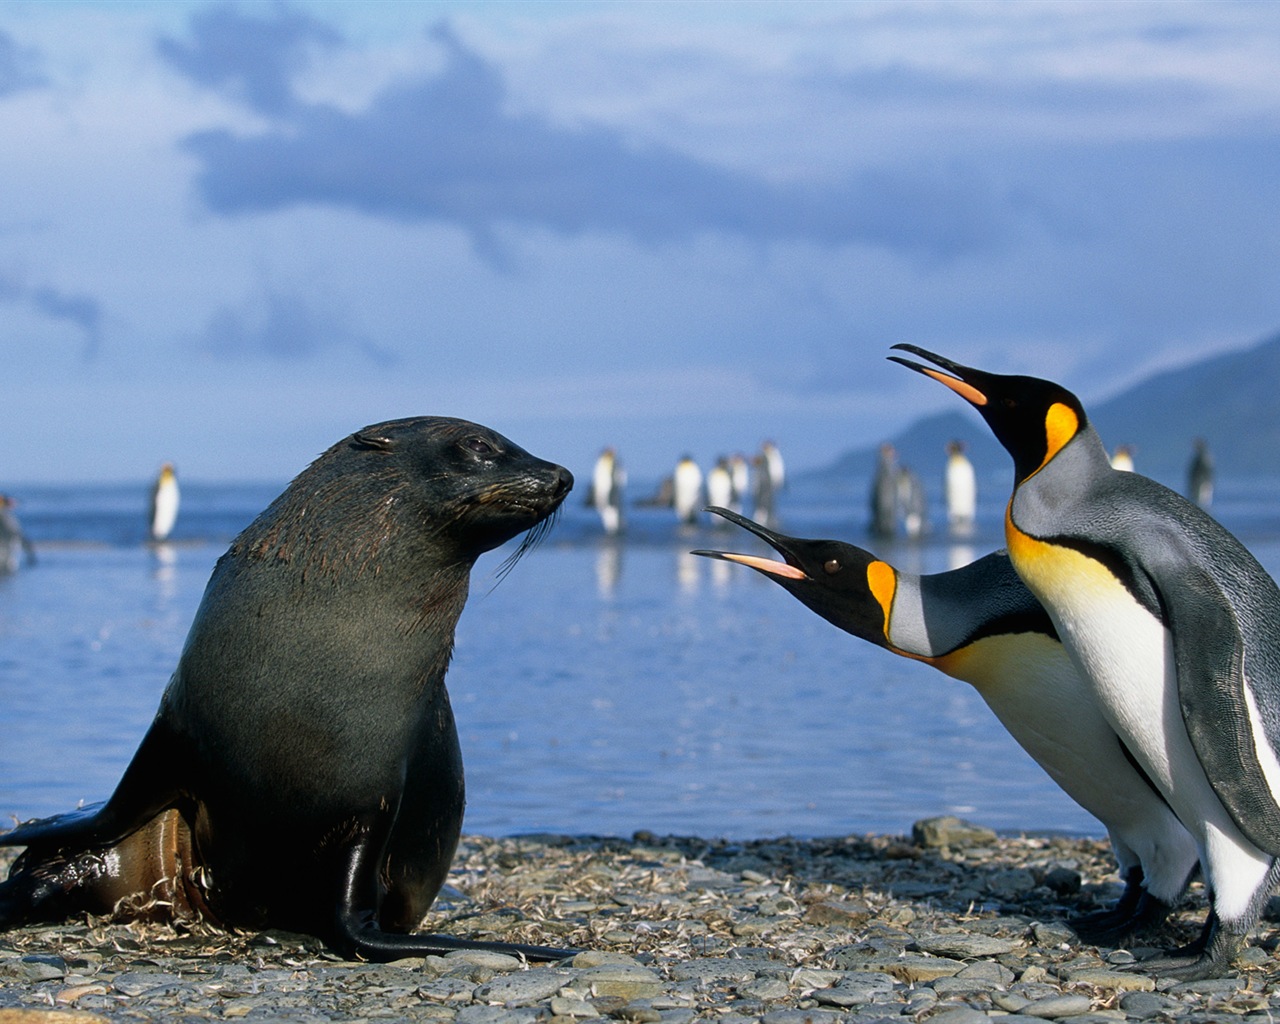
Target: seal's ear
(372, 441)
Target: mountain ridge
(1229, 399)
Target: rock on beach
(953, 923)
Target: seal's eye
(479, 445)
(832, 566)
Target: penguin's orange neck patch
(882, 581)
(1061, 424)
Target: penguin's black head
(844, 584)
(1033, 418)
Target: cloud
(255, 58)
(81, 311)
(447, 149)
(282, 325)
(19, 67)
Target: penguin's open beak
(960, 383)
(786, 569)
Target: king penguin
(164, 504)
(981, 625)
(1171, 620)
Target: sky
(231, 234)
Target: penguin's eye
(479, 445)
(1010, 403)
(832, 566)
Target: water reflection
(689, 572)
(608, 567)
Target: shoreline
(955, 922)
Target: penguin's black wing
(1209, 654)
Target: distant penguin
(763, 502)
(1200, 474)
(980, 624)
(884, 494)
(1122, 459)
(777, 467)
(608, 480)
(720, 485)
(164, 503)
(740, 474)
(13, 542)
(1174, 624)
(911, 500)
(960, 486)
(686, 490)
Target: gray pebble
(959, 1013)
(626, 981)
(498, 962)
(1058, 1006)
(1146, 1004)
(480, 1014)
(962, 947)
(134, 983)
(41, 967)
(767, 989)
(1208, 987)
(526, 987)
(721, 970)
(802, 1017)
(950, 831)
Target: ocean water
(602, 687)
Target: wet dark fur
(306, 741)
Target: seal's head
(431, 486)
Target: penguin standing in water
(1173, 623)
(980, 624)
(164, 504)
(960, 485)
(608, 479)
(687, 490)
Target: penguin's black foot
(1209, 956)
(1109, 927)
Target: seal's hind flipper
(149, 786)
(50, 830)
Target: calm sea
(601, 688)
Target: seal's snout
(561, 482)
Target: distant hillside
(1231, 400)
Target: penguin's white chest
(1124, 652)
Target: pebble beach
(952, 922)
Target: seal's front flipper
(357, 934)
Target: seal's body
(980, 624)
(303, 771)
(1173, 622)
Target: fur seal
(303, 770)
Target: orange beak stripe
(769, 565)
(966, 391)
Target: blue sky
(232, 233)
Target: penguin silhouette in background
(1171, 620)
(884, 494)
(1200, 474)
(980, 624)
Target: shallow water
(602, 687)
